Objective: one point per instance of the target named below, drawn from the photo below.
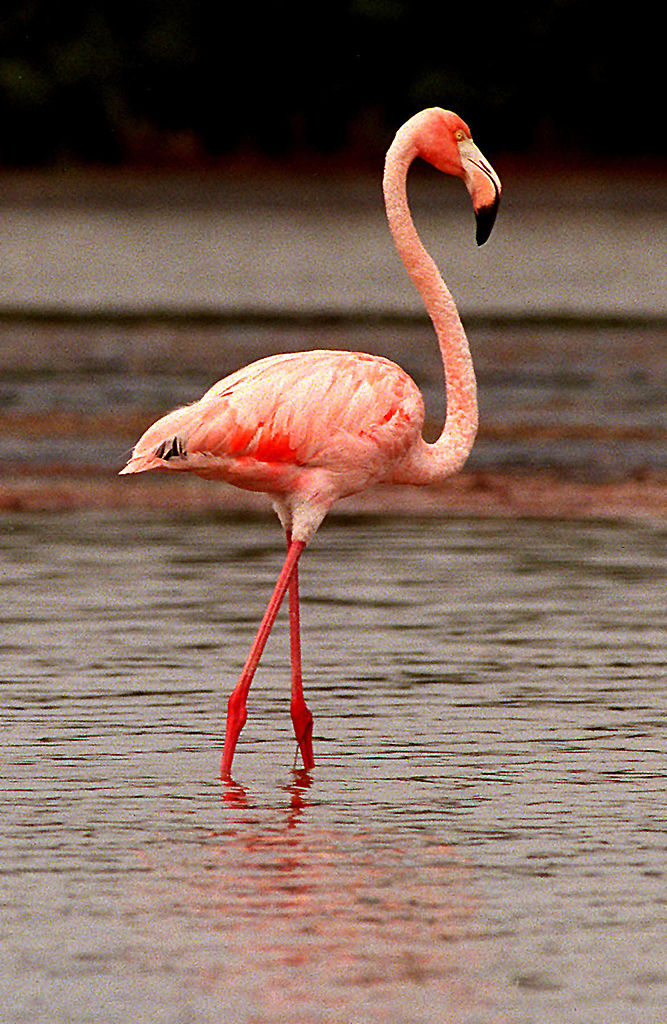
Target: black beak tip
(486, 218)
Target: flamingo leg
(302, 719)
(236, 709)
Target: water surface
(482, 839)
(583, 401)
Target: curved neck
(453, 446)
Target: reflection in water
(334, 919)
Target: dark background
(182, 83)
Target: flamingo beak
(484, 186)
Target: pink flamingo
(311, 427)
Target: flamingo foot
(237, 715)
(302, 720)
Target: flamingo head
(443, 139)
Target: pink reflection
(320, 916)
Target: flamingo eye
(460, 135)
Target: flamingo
(309, 428)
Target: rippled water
(583, 401)
(482, 839)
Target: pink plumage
(311, 427)
(346, 418)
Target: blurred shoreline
(524, 176)
(496, 494)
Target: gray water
(567, 244)
(585, 401)
(482, 839)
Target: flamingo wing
(320, 409)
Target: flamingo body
(307, 428)
(311, 427)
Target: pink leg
(236, 709)
(301, 716)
